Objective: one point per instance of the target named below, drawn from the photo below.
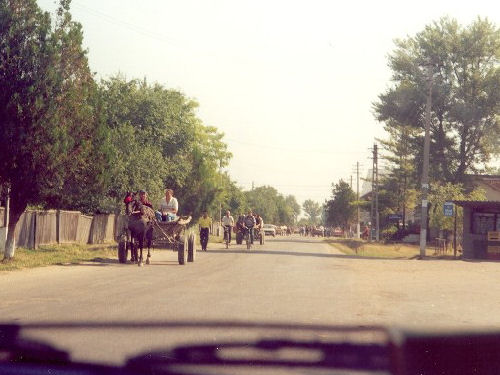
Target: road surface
(290, 280)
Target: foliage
(272, 206)
(341, 209)
(313, 211)
(234, 199)
(47, 107)
(441, 193)
(157, 141)
(465, 79)
(389, 232)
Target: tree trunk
(10, 246)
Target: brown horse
(140, 225)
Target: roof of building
(478, 204)
(493, 181)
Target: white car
(269, 230)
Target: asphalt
(289, 280)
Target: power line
(118, 22)
(295, 149)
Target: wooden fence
(36, 228)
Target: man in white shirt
(168, 206)
(228, 221)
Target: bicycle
(226, 235)
(248, 238)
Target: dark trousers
(227, 229)
(204, 238)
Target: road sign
(448, 208)
(395, 217)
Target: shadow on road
(299, 254)
(104, 262)
(295, 239)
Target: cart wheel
(182, 250)
(122, 252)
(191, 248)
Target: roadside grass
(384, 250)
(47, 255)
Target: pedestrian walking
(204, 223)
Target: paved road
(288, 280)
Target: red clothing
(147, 203)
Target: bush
(388, 233)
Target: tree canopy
(48, 108)
(71, 142)
(462, 66)
(341, 209)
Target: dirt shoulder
(48, 255)
(386, 250)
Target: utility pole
(372, 200)
(220, 201)
(357, 200)
(425, 170)
(375, 163)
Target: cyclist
(249, 223)
(228, 224)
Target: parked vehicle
(269, 230)
(337, 232)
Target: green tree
(272, 206)
(157, 141)
(47, 106)
(441, 193)
(465, 96)
(313, 210)
(341, 209)
(288, 210)
(234, 199)
(399, 185)
(262, 200)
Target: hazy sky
(290, 83)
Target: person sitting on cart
(143, 197)
(169, 206)
(204, 223)
(228, 223)
(249, 223)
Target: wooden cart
(172, 235)
(166, 235)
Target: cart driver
(168, 208)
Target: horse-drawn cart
(165, 235)
(172, 235)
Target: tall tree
(341, 209)
(47, 113)
(463, 64)
(313, 210)
(399, 185)
(157, 141)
